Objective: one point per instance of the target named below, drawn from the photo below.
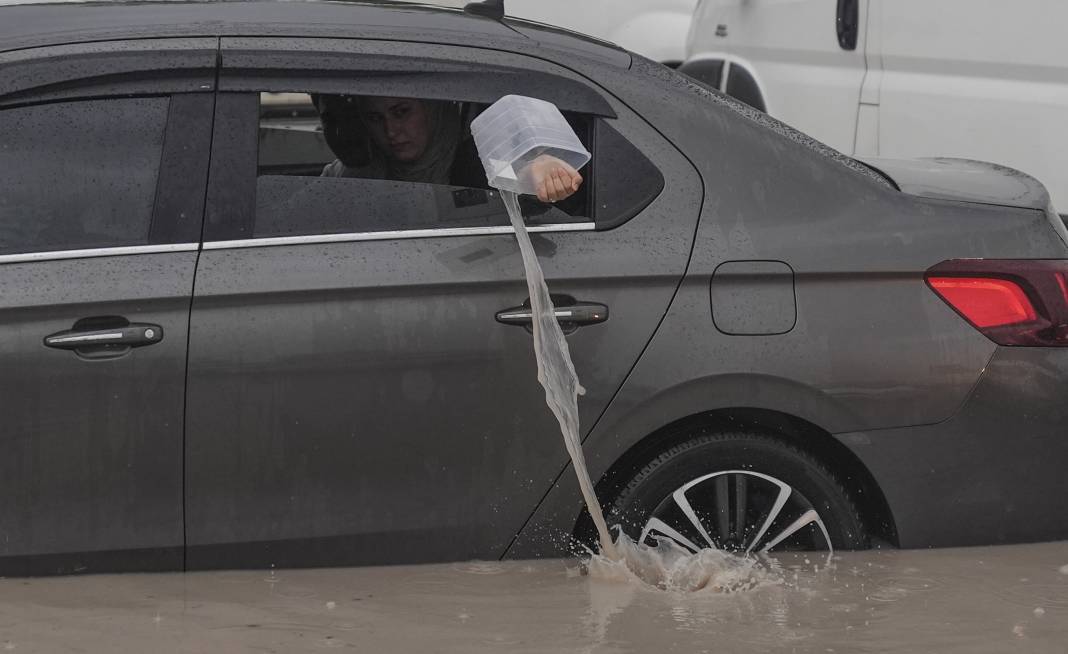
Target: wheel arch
(730, 74)
(638, 423)
(807, 436)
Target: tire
(731, 482)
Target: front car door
(101, 195)
(353, 398)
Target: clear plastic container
(514, 131)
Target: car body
(901, 78)
(215, 358)
(656, 30)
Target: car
(656, 29)
(212, 356)
(900, 78)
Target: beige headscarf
(435, 164)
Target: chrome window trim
(392, 235)
(89, 253)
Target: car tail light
(1013, 302)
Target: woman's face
(399, 126)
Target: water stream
(666, 566)
(556, 372)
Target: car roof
(25, 24)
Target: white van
(654, 28)
(979, 79)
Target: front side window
(334, 163)
(79, 175)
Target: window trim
(91, 253)
(395, 235)
(379, 67)
(155, 66)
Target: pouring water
(556, 372)
(509, 135)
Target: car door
(355, 393)
(101, 195)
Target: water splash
(669, 567)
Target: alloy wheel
(739, 511)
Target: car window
(79, 175)
(325, 166)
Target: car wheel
(740, 492)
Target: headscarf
(435, 164)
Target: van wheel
(740, 492)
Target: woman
(419, 141)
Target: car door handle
(129, 335)
(569, 316)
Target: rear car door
(103, 152)
(353, 397)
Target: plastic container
(514, 131)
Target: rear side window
(79, 175)
(320, 171)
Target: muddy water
(1006, 599)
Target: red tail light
(985, 302)
(1013, 302)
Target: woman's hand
(553, 179)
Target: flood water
(1003, 599)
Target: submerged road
(991, 599)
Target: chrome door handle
(577, 314)
(131, 335)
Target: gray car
(211, 356)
